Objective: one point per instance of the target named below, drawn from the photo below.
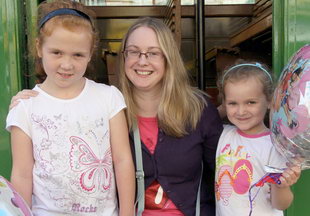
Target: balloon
(290, 111)
(11, 203)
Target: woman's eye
(133, 52)
(153, 53)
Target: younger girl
(70, 143)
(245, 148)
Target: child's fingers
(284, 183)
(290, 176)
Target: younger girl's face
(246, 105)
(65, 55)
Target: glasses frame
(146, 54)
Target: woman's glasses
(150, 56)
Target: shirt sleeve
(117, 102)
(18, 117)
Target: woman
(179, 126)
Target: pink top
(265, 133)
(157, 203)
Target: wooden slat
(169, 7)
(262, 8)
(210, 54)
(220, 11)
(128, 11)
(260, 3)
(158, 11)
(252, 30)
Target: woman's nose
(143, 60)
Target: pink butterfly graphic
(95, 174)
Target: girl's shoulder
(102, 89)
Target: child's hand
(290, 176)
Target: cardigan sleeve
(212, 127)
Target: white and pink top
(240, 161)
(73, 170)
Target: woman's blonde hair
(70, 22)
(181, 105)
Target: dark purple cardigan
(176, 164)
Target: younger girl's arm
(281, 195)
(22, 155)
(123, 164)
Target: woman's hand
(24, 94)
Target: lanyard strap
(198, 193)
(139, 171)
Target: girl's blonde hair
(181, 105)
(244, 70)
(70, 22)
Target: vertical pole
(200, 44)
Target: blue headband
(258, 65)
(63, 11)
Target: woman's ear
(38, 48)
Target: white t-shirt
(73, 170)
(240, 161)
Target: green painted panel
(291, 20)
(11, 62)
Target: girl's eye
(78, 55)
(252, 102)
(56, 53)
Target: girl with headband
(70, 146)
(245, 148)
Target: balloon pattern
(290, 110)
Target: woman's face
(144, 60)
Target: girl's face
(246, 105)
(65, 55)
(144, 60)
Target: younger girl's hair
(244, 70)
(46, 14)
(180, 105)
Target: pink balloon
(290, 110)
(11, 203)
